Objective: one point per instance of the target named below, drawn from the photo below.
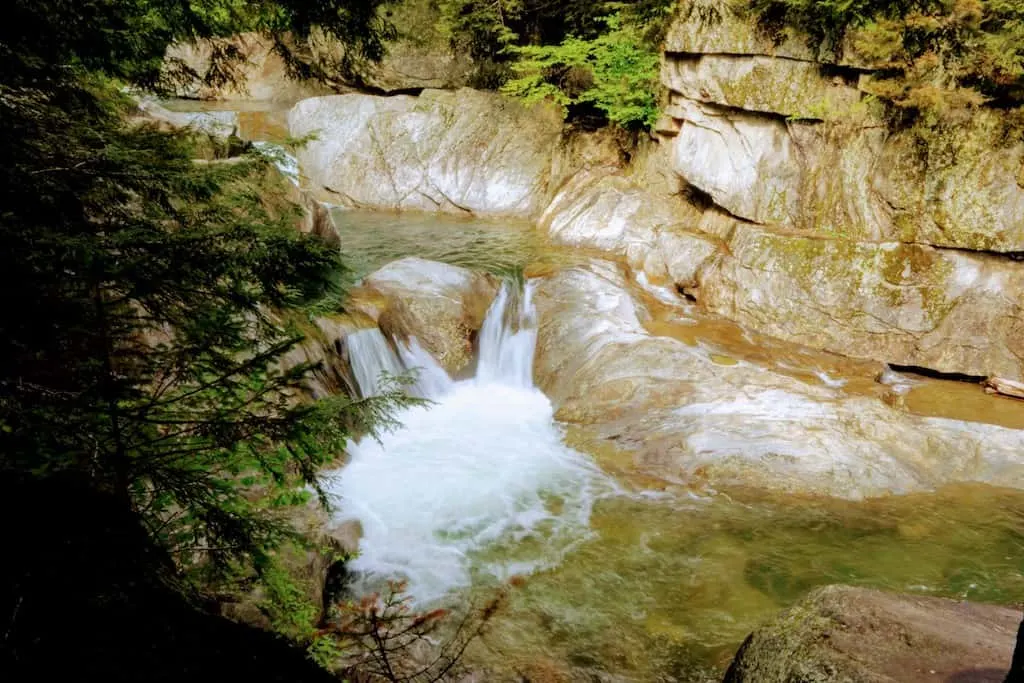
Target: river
(625, 576)
(628, 575)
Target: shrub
(616, 72)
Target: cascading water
(477, 483)
(375, 365)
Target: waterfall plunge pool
(623, 583)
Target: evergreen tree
(151, 299)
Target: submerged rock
(689, 418)
(441, 305)
(461, 152)
(843, 634)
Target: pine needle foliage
(614, 72)
(149, 297)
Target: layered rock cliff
(823, 222)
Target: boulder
(441, 305)
(687, 417)
(463, 152)
(843, 634)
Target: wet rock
(441, 305)
(687, 418)
(461, 152)
(1006, 387)
(843, 634)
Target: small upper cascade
(431, 380)
(508, 339)
(373, 360)
(375, 363)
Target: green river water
(670, 580)
(668, 584)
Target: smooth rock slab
(612, 214)
(460, 152)
(841, 634)
(748, 164)
(686, 417)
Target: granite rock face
(461, 152)
(687, 417)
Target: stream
(624, 576)
(627, 576)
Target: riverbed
(626, 576)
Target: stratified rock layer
(687, 417)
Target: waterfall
(476, 484)
(373, 360)
(376, 364)
(508, 339)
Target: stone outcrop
(419, 57)
(779, 133)
(218, 124)
(689, 418)
(915, 305)
(816, 221)
(843, 634)
(259, 73)
(462, 152)
(613, 214)
(441, 305)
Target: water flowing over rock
(476, 469)
(855, 635)
(440, 305)
(460, 152)
(686, 417)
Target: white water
(477, 484)
(377, 366)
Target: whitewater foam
(479, 481)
